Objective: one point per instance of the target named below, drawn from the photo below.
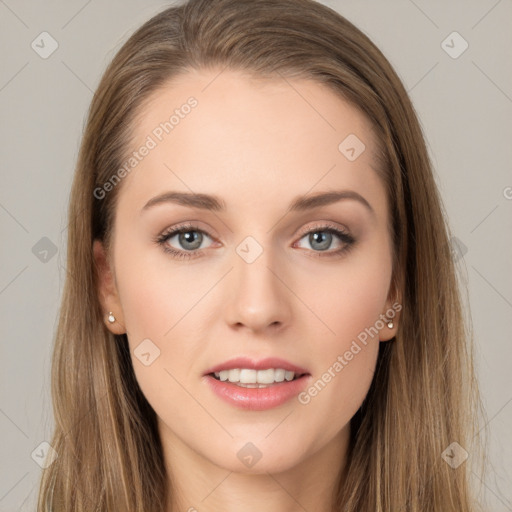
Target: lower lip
(257, 399)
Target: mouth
(256, 385)
(257, 390)
(250, 378)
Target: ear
(107, 290)
(391, 313)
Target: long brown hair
(424, 395)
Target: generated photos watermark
(343, 360)
(152, 140)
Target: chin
(258, 457)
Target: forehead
(250, 138)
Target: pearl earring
(111, 317)
(391, 324)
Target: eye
(321, 238)
(189, 239)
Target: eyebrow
(216, 204)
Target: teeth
(248, 377)
(233, 375)
(279, 375)
(289, 375)
(244, 376)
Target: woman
(261, 308)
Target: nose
(258, 296)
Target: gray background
(465, 107)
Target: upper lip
(262, 364)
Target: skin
(257, 144)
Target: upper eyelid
(324, 225)
(191, 226)
(183, 228)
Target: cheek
(348, 298)
(349, 304)
(156, 296)
(159, 315)
(168, 307)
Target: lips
(256, 397)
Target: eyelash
(345, 237)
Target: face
(252, 277)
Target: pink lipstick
(256, 385)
